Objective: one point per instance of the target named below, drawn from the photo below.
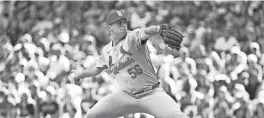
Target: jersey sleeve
(141, 35)
(134, 37)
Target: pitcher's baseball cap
(115, 15)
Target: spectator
(140, 17)
(6, 107)
(185, 59)
(217, 73)
(227, 40)
(259, 111)
(255, 49)
(68, 108)
(88, 101)
(49, 106)
(59, 64)
(26, 109)
(255, 76)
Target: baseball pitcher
(127, 57)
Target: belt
(154, 86)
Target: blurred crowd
(218, 73)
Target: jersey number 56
(135, 71)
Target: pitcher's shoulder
(107, 47)
(134, 34)
(134, 31)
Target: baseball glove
(171, 36)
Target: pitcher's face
(119, 28)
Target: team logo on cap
(119, 13)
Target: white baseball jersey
(129, 62)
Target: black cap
(115, 15)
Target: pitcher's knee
(175, 115)
(92, 115)
(98, 115)
(182, 115)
